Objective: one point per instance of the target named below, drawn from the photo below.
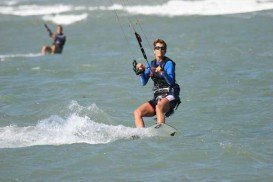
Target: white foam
(10, 3)
(34, 10)
(49, 12)
(36, 68)
(205, 7)
(107, 8)
(76, 128)
(79, 8)
(65, 19)
(170, 8)
(4, 57)
(58, 131)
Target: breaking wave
(170, 8)
(65, 19)
(205, 7)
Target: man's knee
(162, 107)
(46, 49)
(159, 106)
(53, 49)
(137, 113)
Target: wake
(8, 56)
(76, 128)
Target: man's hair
(161, 42)
(61, 27)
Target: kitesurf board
(162, 130)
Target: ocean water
(69, 117)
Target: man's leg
(145, 110)
(46, 49)
(162, 107)
(53, 49)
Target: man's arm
(168, 73)
(144, 77)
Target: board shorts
(171, 99)
(59, 50)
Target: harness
(59, 40)
(160, 84)
(161, 88)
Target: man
(166, 92)
(58, 41)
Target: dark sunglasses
(160, 48)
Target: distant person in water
(58, 41)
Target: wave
(107, 8)
(10, 3)
(48, 12)
(34, 10)
(170, 8)
(205, 7)
(187, 8)
(76, 128)
(4, 57)
(65, 19)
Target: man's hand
(140, 67)
(158, 69)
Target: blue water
(69, 117)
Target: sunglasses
(160, 48)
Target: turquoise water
(69, 117)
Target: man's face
(159, 50)
(59, 30)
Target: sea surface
(69, 117)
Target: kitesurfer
(166, 91)
(58, 41)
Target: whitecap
(4, 57)
(36, 68)
(10, 3)
(205, 7)
(107, 8)
(65, 19)
(34, 10)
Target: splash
(56, 130)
